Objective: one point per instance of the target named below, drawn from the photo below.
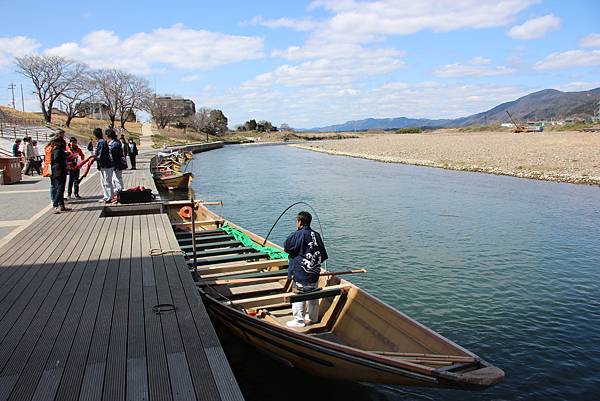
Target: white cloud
(344, 47)
(305, 24)
(190, 78)
(569, 59)
(476, 67)
(332, 70)
(535, 28)
(177, 47)
(318, 106)
(578, 86)
(15, 46)
(364, 21)
(592, 40)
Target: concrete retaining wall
(198, 147)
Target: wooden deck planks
(223, 377)
(18, 345)
(76, 311)
(59, 329)
(158, 371)
(179, 369)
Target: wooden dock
(86, 313)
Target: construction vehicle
(529, 127)
(518, 127)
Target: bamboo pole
(277, 278)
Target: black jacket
(59, 162)
(306, 253)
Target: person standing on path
(16, 148)
(37, 157)
(133, 152)
(117, 158)
(58, 175)
(29, 156)
(105, 166)
(306, 253)
(75, 156)
(125, 148)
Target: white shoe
(295, 323)
(308, 321)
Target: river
(508, 268)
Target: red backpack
(47, 168)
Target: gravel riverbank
(554, 156)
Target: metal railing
(14, 131)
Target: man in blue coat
(105, 165)
(117, 158)
(306, 253)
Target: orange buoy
(185, 212)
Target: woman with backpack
(55, 167)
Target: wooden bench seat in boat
(233, 269)
(290, 297)
(198, 223)
(188, 234)
(186, 243)
(221, 251)
(220, 259)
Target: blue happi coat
(306, 253)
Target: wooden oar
(269, 279)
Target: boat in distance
(357, 336)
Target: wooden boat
(357, 338)
(173, 180)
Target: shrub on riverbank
(409, 130)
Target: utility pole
(12, 88)
(22, 99)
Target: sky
(321, 62)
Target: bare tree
(135, 97)
(51, 76)
(163, 112)
(200, 121)
(73, 99)
(122, 93)
(110, 87)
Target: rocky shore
(572, 157)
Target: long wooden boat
(173, 180)
(357, 337)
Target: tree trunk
(47, 116)
(68, 122)
(112, 120)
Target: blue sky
(320, 62)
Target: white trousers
(299, 309)
(106, 179)
(117, 180)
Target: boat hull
(319, 357)
(178, 181)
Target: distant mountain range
(543, 105)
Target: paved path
(146, 137)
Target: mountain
(385, 123)
(546, 104)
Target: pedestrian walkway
(87, 312)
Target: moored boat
(173, 180)
(243, 281)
